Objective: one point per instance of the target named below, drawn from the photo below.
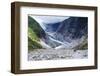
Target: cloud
(49, 19)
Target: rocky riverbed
(52, 54)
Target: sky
(48, 19)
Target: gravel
(52, 54)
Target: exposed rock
(51, 54)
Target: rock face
(74, 27)
(71, 29)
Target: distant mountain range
(52, 27)
(71, 33)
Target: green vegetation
(33, 34)
(83, 45)
(34, 26)
(33, 44)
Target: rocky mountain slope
(70, 33)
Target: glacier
(69, 33)
(61, 38)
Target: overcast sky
(49, 19)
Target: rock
(51, 54)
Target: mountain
(74, 27)
(34, 34)
(37, 37)
(35, 26)
(70, 33)
(52, 27)
(33, 40)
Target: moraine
(52, 54)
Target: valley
(51, 38)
